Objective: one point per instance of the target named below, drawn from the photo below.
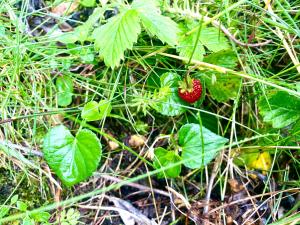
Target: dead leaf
(130, 214)
(113, 145)
(136, 141)
(65, 8)
(235, 185)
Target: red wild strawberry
(190, 90)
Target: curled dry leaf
(137, 141)
(113, 145)
(65, 8)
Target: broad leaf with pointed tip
(199, 145)
(73, 159)
(155, 23)
(280, 108)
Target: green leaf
(280, 108)
(222, 87)
(4, 211)
(187, 44)
(90, 111)
(164, 158)
(166, 101)
(199, 145)
(224, 58)
(213, 39)
(73, 159)
(117, 35)
(28, 221)
(22, 206)
(210, 38)
(64, 86)
(14, 199)
(88, 3)
(41, 216)
(155, 23)
(96, 111)
(186, 47)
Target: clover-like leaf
(73, 159)
(199, 145)
(280, 108)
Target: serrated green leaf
(155, 23)
(224, 58)
(166, 101)
(117, 35)
(187, 45)
(210, 38)
(213, 39)
(199, 145)
(222, 87)
(73, 159)
(280, 108)
(64, 86)
(164, 158)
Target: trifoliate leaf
(64, 87)
(164, 158)
(280, 108)
(117, 35)
(155, 23)
(166, 101)
(73, 159)
(199, 145)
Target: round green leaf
(104, 108)
(164, 158)
(73, 159)
(96, 111)
(199, 145)
(90, 111)
(64, 86)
